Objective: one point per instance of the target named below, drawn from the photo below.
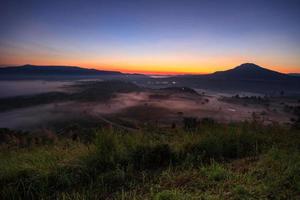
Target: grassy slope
(235, 161)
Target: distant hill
(249, 71)
(246, 77)
(34, 70)
(87, 91)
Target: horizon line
(117, 69)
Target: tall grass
(160, 164)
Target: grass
(216, 161)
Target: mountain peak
(249, 66)
(249, 71)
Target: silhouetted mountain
(249, 71)
(33, 70)
(246, 77)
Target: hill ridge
(249, 71)
(29, 69)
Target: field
(118, 140)
(150, 100)
(133, 105)
(207, 161)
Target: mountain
(33, 70)
(249, 71)
(247, 77)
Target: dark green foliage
(241, 193)
(296, 111)
(216, 161)
(216, 172)
(151, 157)
(207, 121)
(190, 123)
(280, 169)
(169, 195)
(24, 139)
(225, 145)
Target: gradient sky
(187, 36)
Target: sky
(151, 36)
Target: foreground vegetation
(213, 161)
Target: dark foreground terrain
(120, 140)
(203, 160)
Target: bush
(190, 123)
(207, 121)
(151, 157)
(107, 147)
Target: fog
(138, 106)
(29, 87)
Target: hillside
(250, 71)
(235, 162)
(34, 70)
(84, 92)
(247, 77)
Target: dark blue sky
(167, 36)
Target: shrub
(190, 123)
(151, 157)
(109, 151)
(207, 121)
(107, 147)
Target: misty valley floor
(150, 100)
(130, 104)
(118, 140)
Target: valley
(149, 138)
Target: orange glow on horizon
(165, 63)
(161, 70)
(166, 68)
(184, 70)
(149, 72)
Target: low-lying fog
(139, 106)
(29, 87)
